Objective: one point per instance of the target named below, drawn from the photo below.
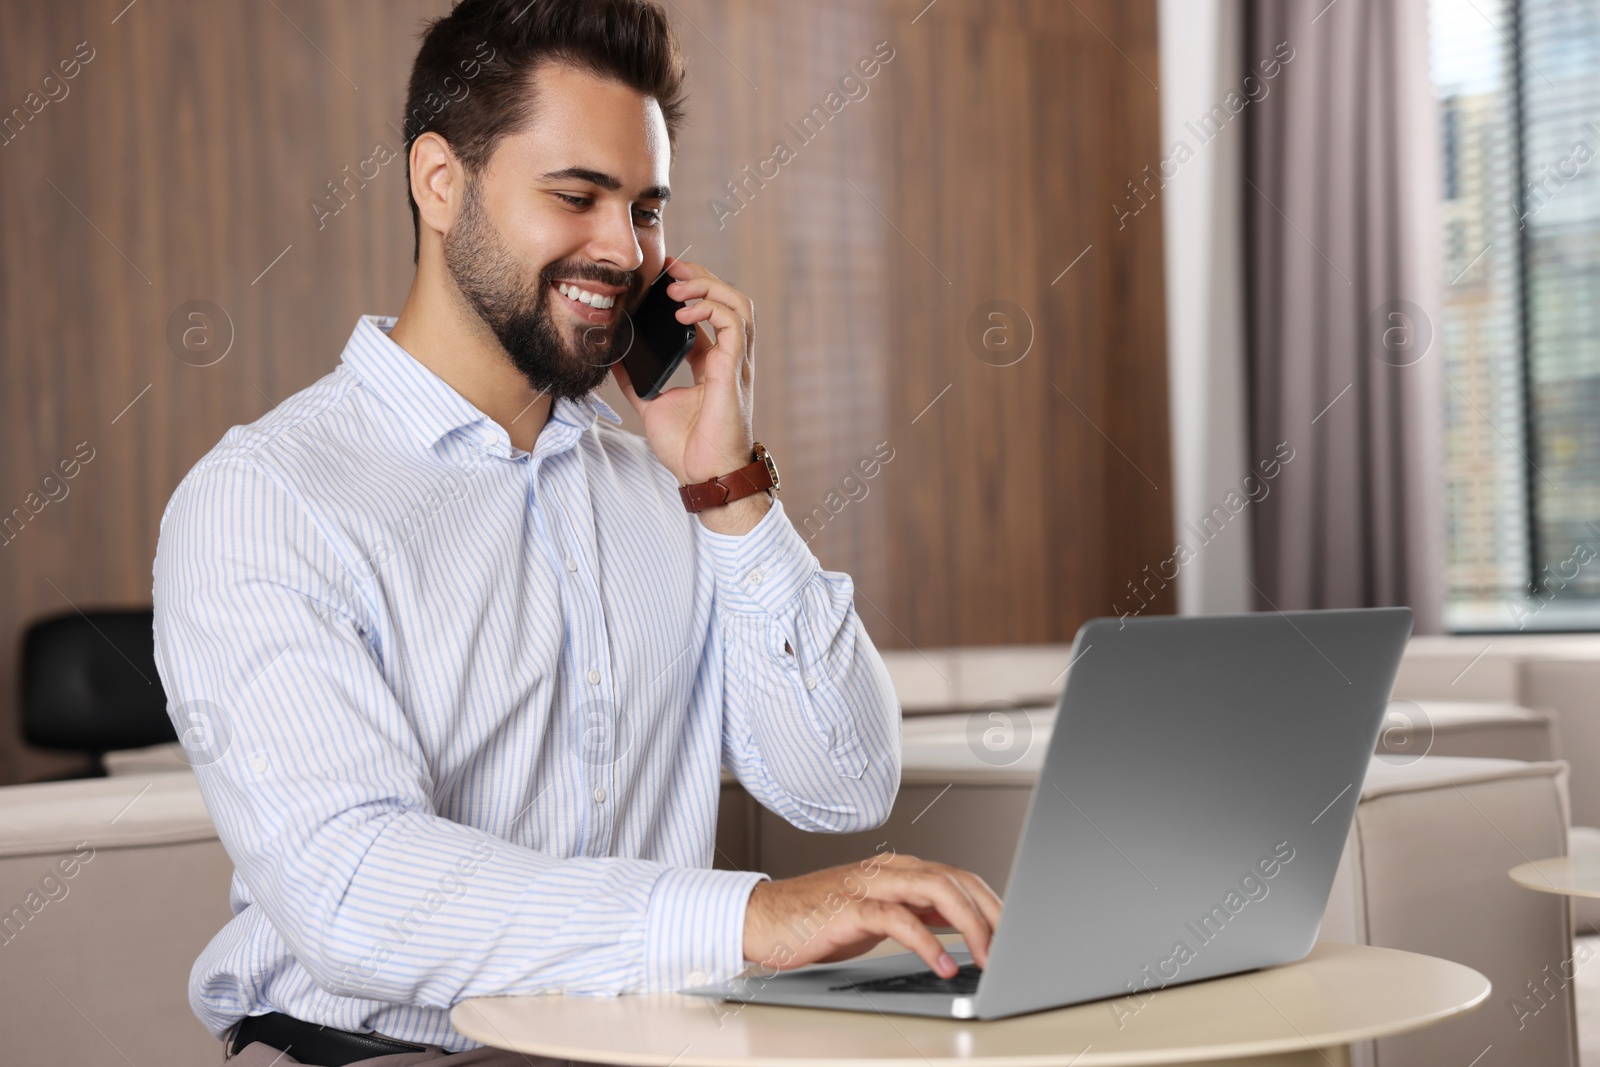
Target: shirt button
(572, 564)
(756, 577)
(259, 765)
(811, 681)
(594, 676)
(697, 978)
(599, 794)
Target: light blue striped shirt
(459, 710)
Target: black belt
(319, 1046)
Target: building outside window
(1518, 90)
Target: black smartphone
(657, 342)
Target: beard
(570, 362)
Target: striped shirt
(459, 710)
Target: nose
(614, 241)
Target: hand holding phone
(705, 429)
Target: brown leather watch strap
(746, 481)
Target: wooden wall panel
(982, 159)
(1045, 485)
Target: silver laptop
(1195, 797)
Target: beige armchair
(110, 887)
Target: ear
(437, 181)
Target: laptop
(1194, 801)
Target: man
(467, 669)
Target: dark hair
(472, 79)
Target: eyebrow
(604, 181)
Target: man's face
(562, 228)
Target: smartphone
(659, 342)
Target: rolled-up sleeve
(811, 724)
(320, 791)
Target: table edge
(1083, 1058)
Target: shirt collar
(431, 409)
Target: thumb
(625, 383)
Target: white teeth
(583, 296)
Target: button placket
(571, 525)
(602, 808)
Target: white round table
(1298, 1014)
(1572, 876)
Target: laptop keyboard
(965, 983)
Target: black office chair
(89, 684)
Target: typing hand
(842, 912)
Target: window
(1518, 88)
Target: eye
(575, 201)
(647, 216)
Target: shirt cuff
(695, 927)
(764, 569)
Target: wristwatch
(760, 474)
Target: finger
(719, 314)
(987, 900)
(932, 886)
(968, 918)
(711, 288)
(696, 359)
(681, 269)
(625, 383)
(896, 921)
(724, 320)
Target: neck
(442, 332)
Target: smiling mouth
(589, 306)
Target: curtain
(1342, 287)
